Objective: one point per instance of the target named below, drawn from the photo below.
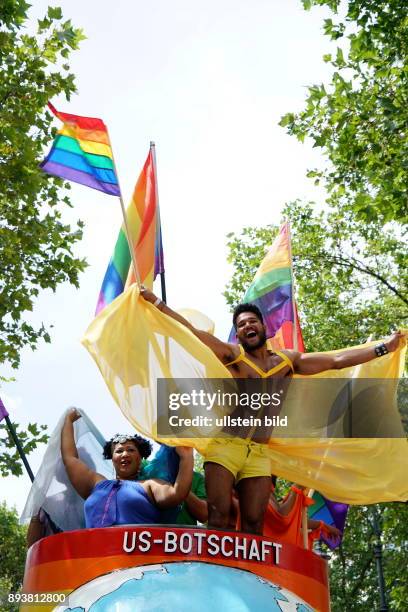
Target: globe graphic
(182, 587)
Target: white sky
(208, 82)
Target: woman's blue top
(119, 502)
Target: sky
(208, 83)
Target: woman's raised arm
(82, 478)
(166, 495)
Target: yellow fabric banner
(134, 344)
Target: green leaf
(287, 119)
(54, 13)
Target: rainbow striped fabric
(331, 513)
(82, 153)
(143, 221)
(271, 290)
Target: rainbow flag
(143, 220)
(272, 291)
(331, 513)
(82, 153)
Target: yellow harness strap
(242, 357)
(286, 359)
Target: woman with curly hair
(124, 500)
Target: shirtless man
(243, 462)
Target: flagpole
(162, 274)
(295, 321)
(296, 348)
(127, 232)
(4, 414)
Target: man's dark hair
(246, 308)
(143, 446)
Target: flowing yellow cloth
(134, 344)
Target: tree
(360, 119)
(35, 244)
(12, 553)
(353, 573)
(10, 462)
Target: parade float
(147, 568)
(163, 567)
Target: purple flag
(331, 513)
(3, 411)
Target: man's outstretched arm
(314, 363)
(224, 351)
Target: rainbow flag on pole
(82, 153)
(143, 222)
(272, 291)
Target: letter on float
(223, 551)
(199, 537)
(254, 551)
(186, 549)
(265, 546)
(144, 541)
(241, 547)
(277, 551)
(213, 546)
(170, 542)
(126, 546)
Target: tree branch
(363, 572)
(341, 261)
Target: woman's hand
(73, 415)
(184, 451)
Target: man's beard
(248, 348)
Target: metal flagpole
(13, 433)
(128, 237)
(295, 322)
(295, 348)
(162, 274)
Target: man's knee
(252, 524)
(218, 516)
(219, 507)
(252, 518)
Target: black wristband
(381, 350)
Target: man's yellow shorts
(243, 458)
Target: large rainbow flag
(81, 152)
(143, 221)
(272, 291)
